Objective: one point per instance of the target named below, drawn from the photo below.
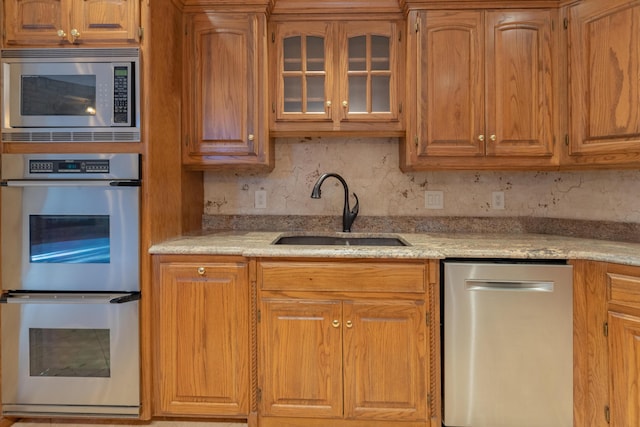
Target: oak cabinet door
(301, 358)
(385, 360)
(203, 339)
(624, 369)
(65, 22)
(223, 93)
(604, 52)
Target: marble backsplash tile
(370, 167)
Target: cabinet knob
(75, 34)
(493, 138)
(335, 323)
(201, 271)
(481, 138)
(349, 324)
(328, 103)
(251, 137)
(345, 104)
(62, 34)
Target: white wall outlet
(434, 199)
(260, 199)
(497, 200)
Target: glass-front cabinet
(336, 76)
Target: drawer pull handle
(201, 271)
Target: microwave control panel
(121, 94)
(69, 166)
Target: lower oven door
(70, 353)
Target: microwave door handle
(9, 297)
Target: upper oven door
(70, 236)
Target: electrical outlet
(434, 199)
(260, 201)
(497, 200)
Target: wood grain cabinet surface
(349, 357)
(604, 65)
(482, 85)
(71, 22)
(224, 89)
(606, 344)
(201, 336)
(330, 76)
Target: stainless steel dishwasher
(508, 344)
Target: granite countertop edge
(422, 246)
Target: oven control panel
(69, 166)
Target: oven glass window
(69, 352)
(69, 239)
(58, 95)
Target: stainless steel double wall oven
(70, 279)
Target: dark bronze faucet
(348, 215)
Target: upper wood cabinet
(336, 76)
(482, 85)
(604, 65)
(64, 22)
(224, 91)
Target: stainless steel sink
(340, 241)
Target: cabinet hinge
(565, 23)
(259, 394)
(273, 37)
(400, 36)
(607, 414)
(186, 30)
(273, 107)
(417, 24)
(259, 316)
(140, 32)
(400, 108)
(605, 329)
(415, 140)
(566, 139)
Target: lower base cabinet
(607, 344)
(343, 344)
(201, 336)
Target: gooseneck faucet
(348, 215)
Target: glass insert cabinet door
(336, 71)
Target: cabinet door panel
(204, 339)
(385, 360)
(604, 68)
(519, 83)
(106, 20)
(450, 85)
(35, 20)
(301, 358)
(624, 350)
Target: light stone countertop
(422, 245)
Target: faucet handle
(356, 207)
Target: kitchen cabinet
(224, 92)
(344, 340)
(66, 22)
(604, 64)
(202, 336)
(481, 88)
(607, 344)
(330, 76)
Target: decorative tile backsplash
(370, 167)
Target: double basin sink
(340, 240)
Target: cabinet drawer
(380, 276)
(624, 290)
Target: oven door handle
(72, 183)
(31, 297)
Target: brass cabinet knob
(201, 271)
(251, 137)
(328, 104)
(335, 323)
(345, 104)
(493, 138)
(481, 138)
(75, 34)
(349, 324)
(62, 34)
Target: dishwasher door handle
(508, 285)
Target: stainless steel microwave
(70, 95)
